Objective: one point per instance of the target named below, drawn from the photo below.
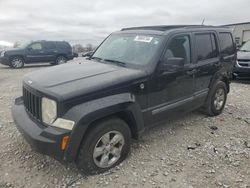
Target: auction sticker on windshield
(143, 39)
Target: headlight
(49, 110)
(2, 53)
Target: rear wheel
(105, 146)
(16, 62)
(60, 60)
(216, 100)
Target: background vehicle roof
(50, 41)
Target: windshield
(23, 45)
(129, 49)
(246, 47)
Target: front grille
(32, 104)
(244, 60)
(243, 64)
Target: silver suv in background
(242, 66)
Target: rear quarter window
(226, 43)
(63, 45)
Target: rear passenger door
(49, 51)
(207, 61)
(228, 50)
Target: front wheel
(16, 62)
(216, 99)
(105, 146)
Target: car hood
(243, 55)
(14, 50)
(76, 79)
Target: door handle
(191, 72)
(41, 52)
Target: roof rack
(168, 27)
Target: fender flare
(220, 76)
(16, 55)
(86, 113)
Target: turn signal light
(64, 142)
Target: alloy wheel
(61, 60)
(17, 63)
(108, 149)
(219, 99)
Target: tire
(59, 60)
(216, 99)
(89, 159)
(16, 62)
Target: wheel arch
(125, 109)
(18, 55)
(61, 54)
(13, 56)
(221, 77)
(125, 115)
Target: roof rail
(168, 27)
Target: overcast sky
(85, 21)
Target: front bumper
(4, 60)
(46, 140)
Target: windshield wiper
(116, 62)
(97, 58)
(244, 50)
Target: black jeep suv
(87, 112)
(55, 52)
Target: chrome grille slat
(32, 104)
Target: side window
(206, 47)
(63, 45)
(179, 47)
(226, 42)
(36, 46)
(49, 45)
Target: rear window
(206, 47)
(226, 42)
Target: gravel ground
(193, 151)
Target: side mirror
(29, 48)
(173, 63)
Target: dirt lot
(194, 151)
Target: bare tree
(78, 48)
(89, 47)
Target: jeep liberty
(88, 112)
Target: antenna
(203, 21)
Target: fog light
(63, 124)
(64, 142)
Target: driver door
(170, 91)
(35, 53)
